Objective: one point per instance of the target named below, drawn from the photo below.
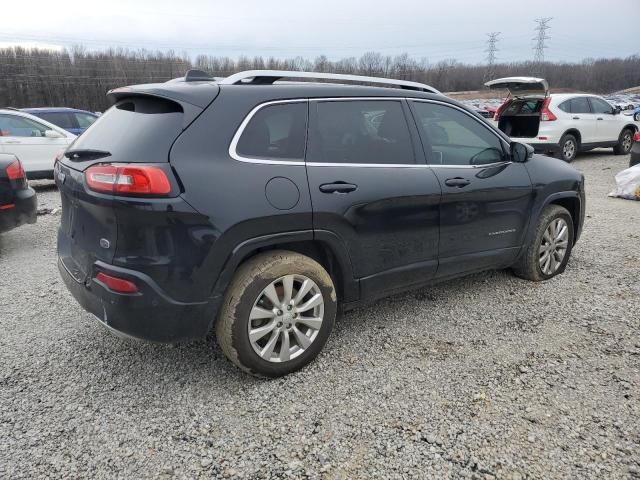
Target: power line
(492, 48)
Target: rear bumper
(147, 315)
(23, 210)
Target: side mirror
(52, 134)
(617, 110)
(520, 152)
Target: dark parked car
(259, 209)
(71, 119)
(18, 201)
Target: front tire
(277, 313)
(568, 148)
(625, 142)
(547, 255)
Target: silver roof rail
(266, 77)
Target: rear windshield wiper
(86, 154)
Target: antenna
(492, 40)
(538, 58)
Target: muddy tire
(625, 142)
(547, 255)
(277, 313)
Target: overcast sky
(452, 29)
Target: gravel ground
(488, 376)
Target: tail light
(143, 180)
(15, 171)
(119, 285)
(636, 137)
(547, 115)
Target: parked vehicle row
(562, 124)
(259, 209)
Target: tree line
(80, 78)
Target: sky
(441, 30)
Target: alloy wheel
(569, 149)
(554, 245)
(626, 142)
(286, 318)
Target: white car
(34, 141)
(564, 124)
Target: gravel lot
(488, 376)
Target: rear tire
(262, 327)
(549, 239)
(568, 148)
(625, 142)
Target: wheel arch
(629, 126)
(324, 247)
(573, 204)
(576, 133)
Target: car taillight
(547, 115)
(15, 171)
(116, 284)
(128, 180)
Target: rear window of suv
(136, 129)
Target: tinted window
(456, 138)
(61, 119)
(14, 126)
(565, 106)
(579, 105)
(600, 106)
(275, 131)
(361, 131)
(84, 119)
(138, 129)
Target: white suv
(561, 123)
(34, 141)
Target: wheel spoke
(258, 313)
(312, 302)
(564, 231)
(304, 289)
(301, 338)
(257, 333)
(268, 348)
(312, 322)
(287, 285)
(272, 295)
(285, 347)
(547, 234)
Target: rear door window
(136, 129)
(361, 132)
(455, 137)
(275, 132)
(579, 105)
(61, 119)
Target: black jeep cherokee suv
(258, 207)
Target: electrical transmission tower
(492, 48)
(540, 45)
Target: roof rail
(267, 77)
